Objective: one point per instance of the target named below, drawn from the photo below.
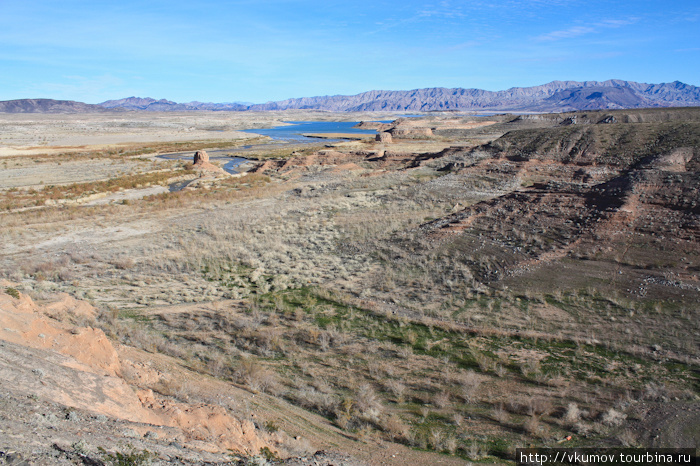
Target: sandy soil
(29, 134)
(28, 174)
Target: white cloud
(582, 30)
(570, 33)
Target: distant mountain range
(162, 105)
(47, 106)
(557, 96)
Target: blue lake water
(296, 129)
(290, 133)
(232, 165)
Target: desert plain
(446, 292)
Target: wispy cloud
(569, 33)
(582, 30)
(616, 23)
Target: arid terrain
(449, 291)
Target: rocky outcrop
(384, 137)
(411, 132)
(202, 164)
(375, 125)
(200, 157)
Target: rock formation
(411, 132)
(384, 137)
(201, 157)
(202, 164)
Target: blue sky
(257, 51)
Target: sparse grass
(130, 457)
(359, 340)
(340, 300)
(16, 199)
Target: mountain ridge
(514, 99)
(555, 96)
(150, 104)
(48, 106)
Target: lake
(296, 129)
(290, 133)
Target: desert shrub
(613, 418)
(12, 292)
(436, 438)
(323, 403)
(255, 376)
(475, 451)
(123, 263)
(572, 414)
(271, 426)
(216, 365)
(65, 275)
(628, 438)
(395, 427)
(500, 415)
(450, 444)
(441, 399)
(532, 425)
(396, 388)
(131, 457)
(538, 406)
(367, 403)
(655, 392)
(530, 368)
(469, 386)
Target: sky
(259, 51)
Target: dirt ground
(31, 134)
(404, 302)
